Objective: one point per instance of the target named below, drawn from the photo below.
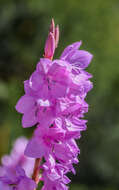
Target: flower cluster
(54, 102)
(16, 168)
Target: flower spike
(54, 101)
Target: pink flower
(49, 82)
(54, 175)
(17, 158)
(77, 58)
(43, 141)
(16, 181)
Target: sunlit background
(23, 31)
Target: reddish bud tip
(49, 46)
(52, 26)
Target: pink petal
(29, 119)
(58, 90)
(36, 81)
(80, 58)
(26, 183)
(35, 148)
(25, 103)
(69, 48)
(44, 65)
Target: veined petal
(80, 58)
(70, 48)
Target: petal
(62, 152)
(36, 81)
(26, 184)
(20, 171)
(58, 90)
(69, 48)
(35, 148)
(45, 112)
(43, 93)
(30, 118)
(66, 180)
(50, 161)
(27, 88)
(4, 186)
(59, 71)
(44, 65)
(80, 58)
(57, 133)
(25, 103)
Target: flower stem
(36, 171)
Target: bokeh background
(23, 31)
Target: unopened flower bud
(49, 46)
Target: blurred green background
(23, 31)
